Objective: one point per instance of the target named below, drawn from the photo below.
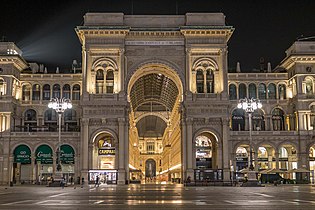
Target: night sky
(44, 30)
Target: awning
(44, 154)
(22, 154)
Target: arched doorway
(44, 163)
(22, 168)
(104, 162)
(312, 163)
(206, 165)
(67, 161)
(155, 93)
(241, 157)
(266, 157)
(287, 157)
(150, 169)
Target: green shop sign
(22, 154)
(44, 154)
(67, 154)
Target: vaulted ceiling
(151, 126)
(155, 88)
(153, 93)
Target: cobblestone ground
(157, 197)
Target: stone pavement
(157, 197)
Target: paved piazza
(157, 197)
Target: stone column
(225, 147)
(33, 166)
(184, 149)
(84, 70)
(54, 165)
(300, 121)
(277, 159)
(193, 81)
(121, 70)
(223, 73)
(205, 81)
(116, 81)
(255, 159)
(104, 82)
(126, 153)
(189, 149)
(84, 149)
(121, 152)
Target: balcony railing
(46, 128)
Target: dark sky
(44, 29)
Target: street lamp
(59, 105)
(249, 106)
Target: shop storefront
(44, 163)
(105, 176)
(104, 156)
(67, 161)
(22, 168)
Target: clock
(309, 69)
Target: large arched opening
(155, 92)
(104, 159)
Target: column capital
(121, 121)
(189, 120)
(85, 121)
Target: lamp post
(249, 106)
(59, 105)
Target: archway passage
(104, 163)
(154, 135)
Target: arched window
(26, 92)
(50, 119)
(238, 120)
(282, 91)
(262, 152)
(262, 91)
(210, 81)
(36, 92)
(283, 153)
(56, 91)
(66, 91)
(110, 82)
(241, 157)
(278, 119)
(242, 93)
(200, 81)
(308, 86)
(46, 92)
(99, 81)
(258, 120)
(252, 91)
(2, 87)
(232, 92)
(70, 120)
(76, 92)
(271, 91)
(30, 120)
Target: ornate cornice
(288, 62)
(117, 32)
(207, 31)
(17, 61)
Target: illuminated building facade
(154, 102)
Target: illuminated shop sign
(106, 151)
